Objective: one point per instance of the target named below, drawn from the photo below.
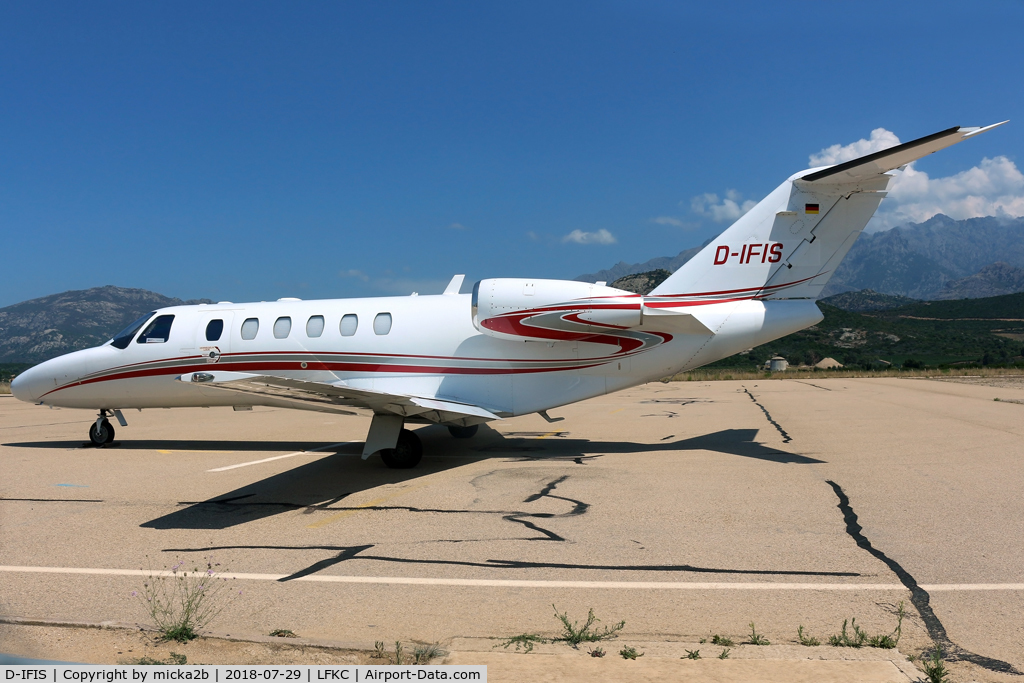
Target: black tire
(463, 432)
(406, 454)
(103, 435)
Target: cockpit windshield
(124, 337)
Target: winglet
(455, 285)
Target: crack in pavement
(786, 438)
(355, 553)
(919, 597)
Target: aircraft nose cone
(28, 386)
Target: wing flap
(336, 396)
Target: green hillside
(983, 331)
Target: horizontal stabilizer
(888, 159)
(334, 397)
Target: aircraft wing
(338, 397)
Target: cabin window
(157, 331)
(382, 323)
(349, 324)
(315, 326)
(282, 327)
(214, 329)
(124, 337)
(250, 327)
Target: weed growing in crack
(173, 659)
(378, 650)
(890, 641)
(283, 633)
(808, 641)
(422, 654)
(526, 641)
(725, 654)
(181, 603)
(934, 668)
(692, 654)
(724, 641)
(845, 639)
(399, 657)
(630, 653)
(574, 634)
(598, 652)
(860, 638)
(755, 638)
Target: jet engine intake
(552, 310)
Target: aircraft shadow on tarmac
(324, 483)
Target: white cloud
(995, 187)
(837, 154)
(669, 220)
(357, 274)
(602, 236)
(727, 209)
(457, 226)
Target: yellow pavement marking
(359, 508)
(616, 411)
(544, 436)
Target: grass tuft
(422, 654)
(283, 633)
(725, 654)
(724, 641)
(846, 639)
(524, 641)
(574, 634)
(808, 641)
(598, 652)
(692, 654)
(630, 653)
(755, 638)
(934, 668)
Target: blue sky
(250, 151)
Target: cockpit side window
(124, 337)
(157, 331)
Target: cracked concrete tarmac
(776, 484)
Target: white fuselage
(432, 349)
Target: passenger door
(213, 334)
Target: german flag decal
(810, 208)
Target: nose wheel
(101, 432)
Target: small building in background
(828, 364)
(777, 364)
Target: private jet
(512, 347)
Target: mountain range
(941, 258)
(36, 330)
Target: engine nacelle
(552, 310)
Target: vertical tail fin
(790, 244)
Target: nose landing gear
(102, 432)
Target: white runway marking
(517, 583)
(280, 457)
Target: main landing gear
(463, 432)
(101, 432)
(406, 454)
